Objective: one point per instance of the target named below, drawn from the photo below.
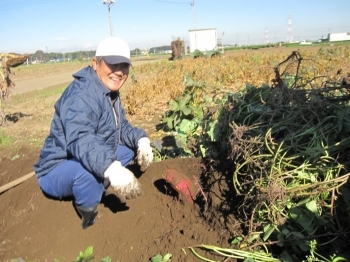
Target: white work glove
(144, 153)
(123, 181)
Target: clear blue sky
(74, 25)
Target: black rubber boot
(88, 215)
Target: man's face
(112, 76)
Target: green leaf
(181, 141)
(197, 113)
(312, 206)
(268, 230)
(208, 99)
(214, 131)
(186, 110)
(88, 252)
(167, 257)
(80, 257)
(285, 257)
(302, 218)
(186, 126)
(252, 238)
(173, 105)
(281, 239)
(285, 231)
(157, 258)
(248, 87)
(341, 257)
(176, 121)
(185, 101)
(336, 259)
(303, 246)
(236, 240)
(106, 259)
(295, 212)
(169, 123)
(203, 150)
(321, 221)
(297, 234)
(189, 82)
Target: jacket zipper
(117, 120)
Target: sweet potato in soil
(184, 185)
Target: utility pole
(194, 13)
(290, 30)
(222, 42)
(266, 36)
(109, 3)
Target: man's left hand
(144, 153)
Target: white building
(203, 39)
(339, 37)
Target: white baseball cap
(114, 50)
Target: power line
(289, 30)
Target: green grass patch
(53, 91)
(40, 94)
(47, 67)
(5, 140)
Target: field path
(23, 86)
(26, 85)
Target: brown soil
(33, 227)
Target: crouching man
(90, 140)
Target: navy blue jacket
(84, 127)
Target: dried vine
(6, 83)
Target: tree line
(41, 56)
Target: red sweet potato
(182, 184)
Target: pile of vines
(7, 62)
(288, 145)
(5, 86)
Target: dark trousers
(70, 178)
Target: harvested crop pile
(284, 150)
(289, 144)
(6, 83)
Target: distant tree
(46, 57)
(137, 51)
(39, 55)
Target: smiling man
(90, 140)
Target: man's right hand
(123, 181)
